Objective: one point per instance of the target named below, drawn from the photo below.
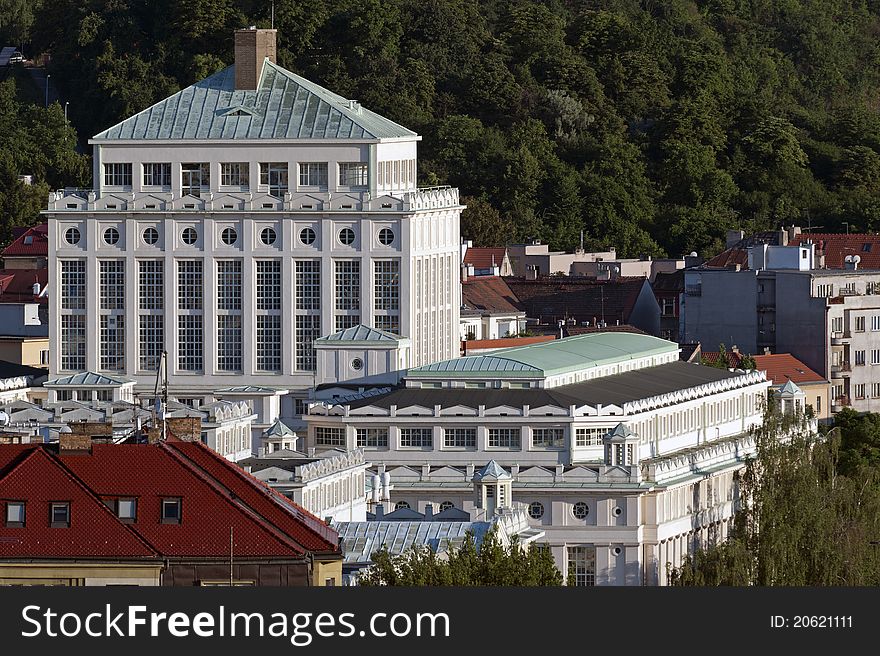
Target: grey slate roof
(89, 378)
(360, 333)
(286, 106)
(278, 429)
(492, 471)
(609, 390)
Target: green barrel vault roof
(552, 358)
(286, 106)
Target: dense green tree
(490, 564)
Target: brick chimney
(252, 47)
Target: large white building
(237, 221)
(624, 455)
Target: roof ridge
(76, 480)
(260, 488)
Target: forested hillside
(652, 125)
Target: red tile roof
(489, 294)
(484, 258)
(836, 247)
(551, 298)
(506, 342)
(780, 367)
(32, 242)
(215, 498)
(17, 285)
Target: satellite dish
(848, 258)
(4, 418)
(693, 254)
(856, 258)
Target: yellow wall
(821, 390)
(24, 351)
(327, 570)
(96, 574)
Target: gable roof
(584, 299)
(87, 378)
(17, 285)
(484, 258)
(285, 106)
(835, 247)
(361, 333)
(32, 242)
(780, 367)
(488, 294)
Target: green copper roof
(361, 333)
(286, 106)
(553, 358)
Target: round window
(268, 236)
(446, 505)
(618, 511)
(386, 236)
(111, 236)
(346, 236)
(536, 510)
(229, 236)
(357, 364)
(307, 236)
(189, 236)
(580, 510)
(617, 551)
(72, 236)
(151, 236)
(401, 504)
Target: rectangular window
(268, 342)
(668, 309)
(389, 323)
(152, 341)
(875, 322)
(589, 436)
(60, 515)
(313, 174)
(860, 390)
(229, 342)
(273, 176)
(416, 437)
(352, 174)
(151, 284)
(837, 324)
(308, 285)
(235, 174)
(73, 285)
(126, 509)
(548, 437)
(344, 321)
(372, 437)
(189, 285)
(195, 178)
(506, 438)
(386, 284)
(581, 566)
(15, 514)
(112, 275)
(860, 324)
(268, 285)
(229, 285)
(171, 511)
(875, 356)
(460, 438)
(308, 329)
(348, 284)
(875, 390)
(329, 436)
(860, 357)
(157, 174)
(189, 342)
(73, 342)
(117, 175)
(112, 342)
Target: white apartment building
(237, 221)
(623, 455)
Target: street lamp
(47, 89)
(66, 103)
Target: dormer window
(15, 514)
(171, 510)
(60, 514)
(126, 509)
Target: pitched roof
(492, 471)
(583, 299)
(32, 242)
(790, 388)
(835, 247)
(215, 499)
(484, 258)
(285, 106)
(14, 370)
(488, 294)
(87, 378)
(360, 333)
(781, 367)
(278, 429)
(669, 281)
(504, 342)
(17, 285)
(361, 539)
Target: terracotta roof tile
(33, 241)
(583, 299)
(835, 247)
(488, 294)
(483, 258)
(781, 367)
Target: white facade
(235, 253)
